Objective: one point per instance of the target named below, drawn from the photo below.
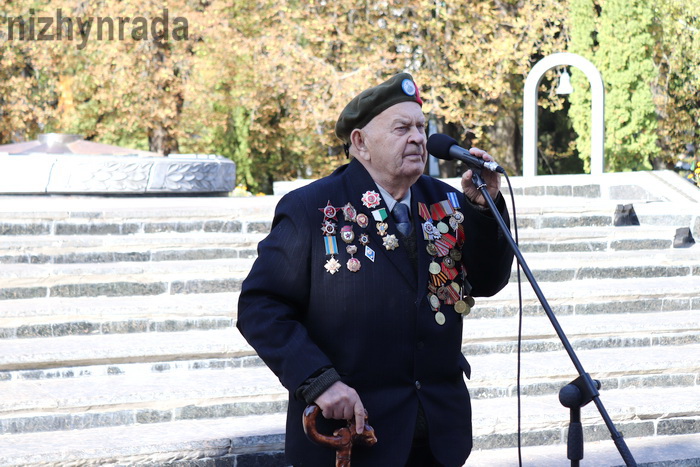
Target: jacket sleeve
(486, 252)
(275, 296)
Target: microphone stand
(583, 389)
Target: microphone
(446, 148)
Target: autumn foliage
(263, 81)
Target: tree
(620, 42)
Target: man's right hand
(341, 402)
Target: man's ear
(358, 140)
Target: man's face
(394, 143)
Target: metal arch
(530, 130)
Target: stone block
(587, 191)
(29, 228)
(125, 327)
(63, 228)
(642, 244)
(578, 246)
(206, 286)
(223, 226)
(14, 293)
(625, 272)
(258, 227)
(640, 305)
(111, 289)
(559, 190)
(557, 222)
(678, 426)
(153, 416)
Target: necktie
(403, 221)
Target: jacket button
(417, 384)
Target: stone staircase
(117, 344)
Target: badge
(332, 265)
(391, 242)
(349, 212)
(459, 217)
(449, 262)
(431, 249)
(351, 249)
(371, 199)
(328, 228)
(354, 264)
(329, 211)
(369, 253)
(362, 220)
(455, 254)
(382, 227)
(347, 234)
(408, 87)
(364, 239)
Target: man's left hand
(492, 180)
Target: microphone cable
(520, 323)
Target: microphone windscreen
(439, 146)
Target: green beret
(373, 101)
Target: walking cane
(343, 438)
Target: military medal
(362, 220)
(349, 213)
(439, 318)
(445, 236)
(347, 234)
(371, 199)
(332, 265)
(364, 239)
(328, 227)
(353, 263)
(329, 211)
(391, 242)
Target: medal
(431, 249)
(362, 220)
(439, 318)
(371, 199)
(434, 268)
(434, 302)
(364, 239)
(382, 227)
(347, 234)
(442, 227)
(329, 211)
(461, 307)
(354, 264)
(332, 265)
(391, 242)
(328, 227)
(349, 213)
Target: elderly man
(357, 297)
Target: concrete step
(23, 281)
(636, 411)
(143, 393)
(115, 349)
(259, 440)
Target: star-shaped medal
(332, 265)
(391, 242)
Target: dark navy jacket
(374, 326)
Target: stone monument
(68, 164)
